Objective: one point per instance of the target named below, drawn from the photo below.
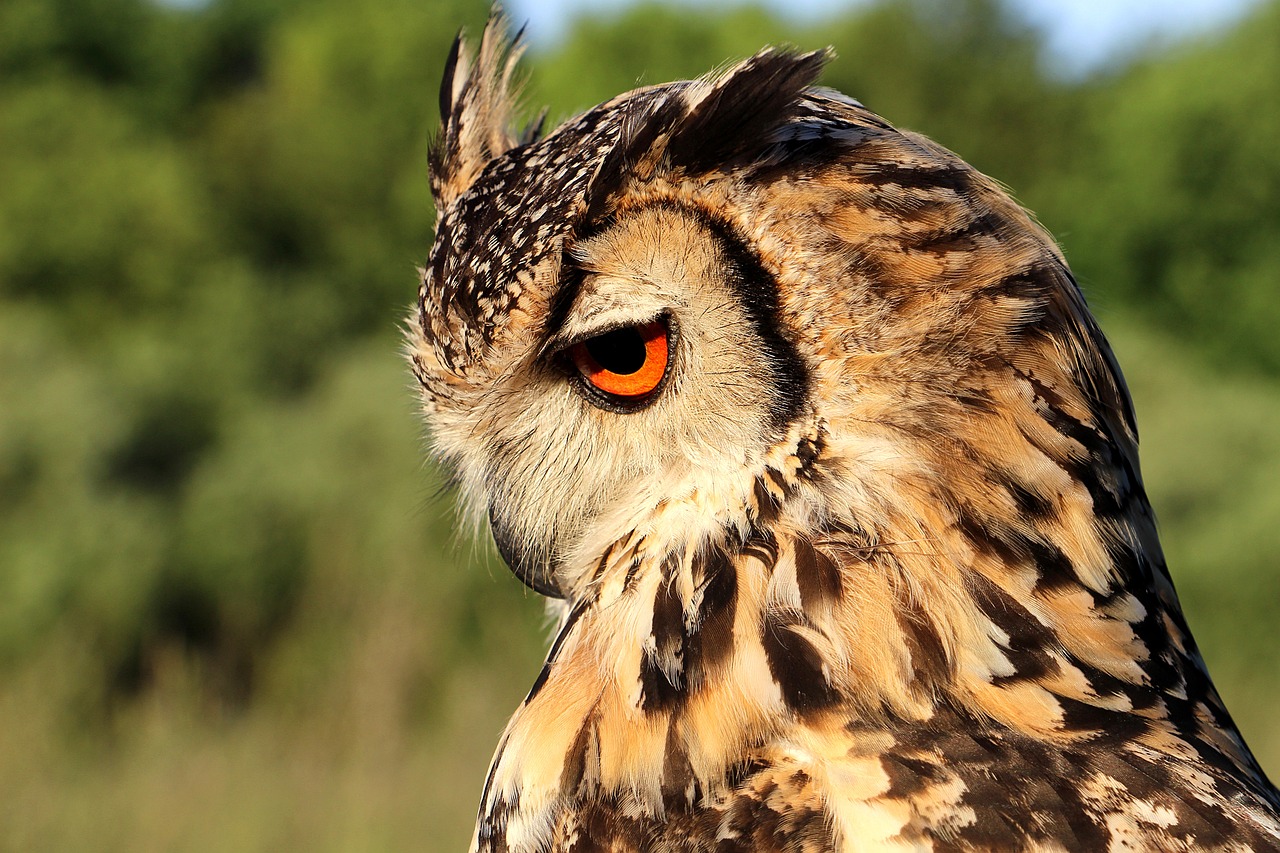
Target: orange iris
(628, 363)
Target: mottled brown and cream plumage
(872, 567)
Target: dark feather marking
(767, 505)
(910, 776)
(710, 642)
(1119, 726)
(575, 760)
(807, 451)
(633, 573)
(778, 480)
(817, 575)
(491, 822)
(680, 790)
(795, 159)
(606, 824)
(767, 816)
(602, 564)
(757, 292)
(738, 773)
(1048, 325)
(1099, 478)
(795, 665)
(1163, 670)
(1029, 639)
(1037, 282)
(538, 682)
(1019, 788)
(845, 536)
(761, 544)
(535, 128)
(1130, 565)
(976, 398)
(1049, 559)
(1028, 502)
(928, 655)
(959, 239)
(1086, 435)
(1102, 466)
(1140, 696)
(1013, 547)
(662, 667)
(446, 82)
(884, 174)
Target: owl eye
(625, 366)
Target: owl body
(805, 429)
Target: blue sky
(1082, 34)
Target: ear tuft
(477, 99)
(731, 114)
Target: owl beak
(533, 569)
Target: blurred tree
(204, 209)
(1176, 208)
(966, 72)
(643, 44)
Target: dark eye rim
(612, 402)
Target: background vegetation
(233, 614)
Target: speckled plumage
(874, 569)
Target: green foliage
(963, 72)
(233, 611)
(1183, 161)
(648, 43)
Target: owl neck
(1023, 605)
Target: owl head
(704, 304)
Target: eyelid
(561, 342)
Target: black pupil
(621, 351)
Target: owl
(804, 429)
